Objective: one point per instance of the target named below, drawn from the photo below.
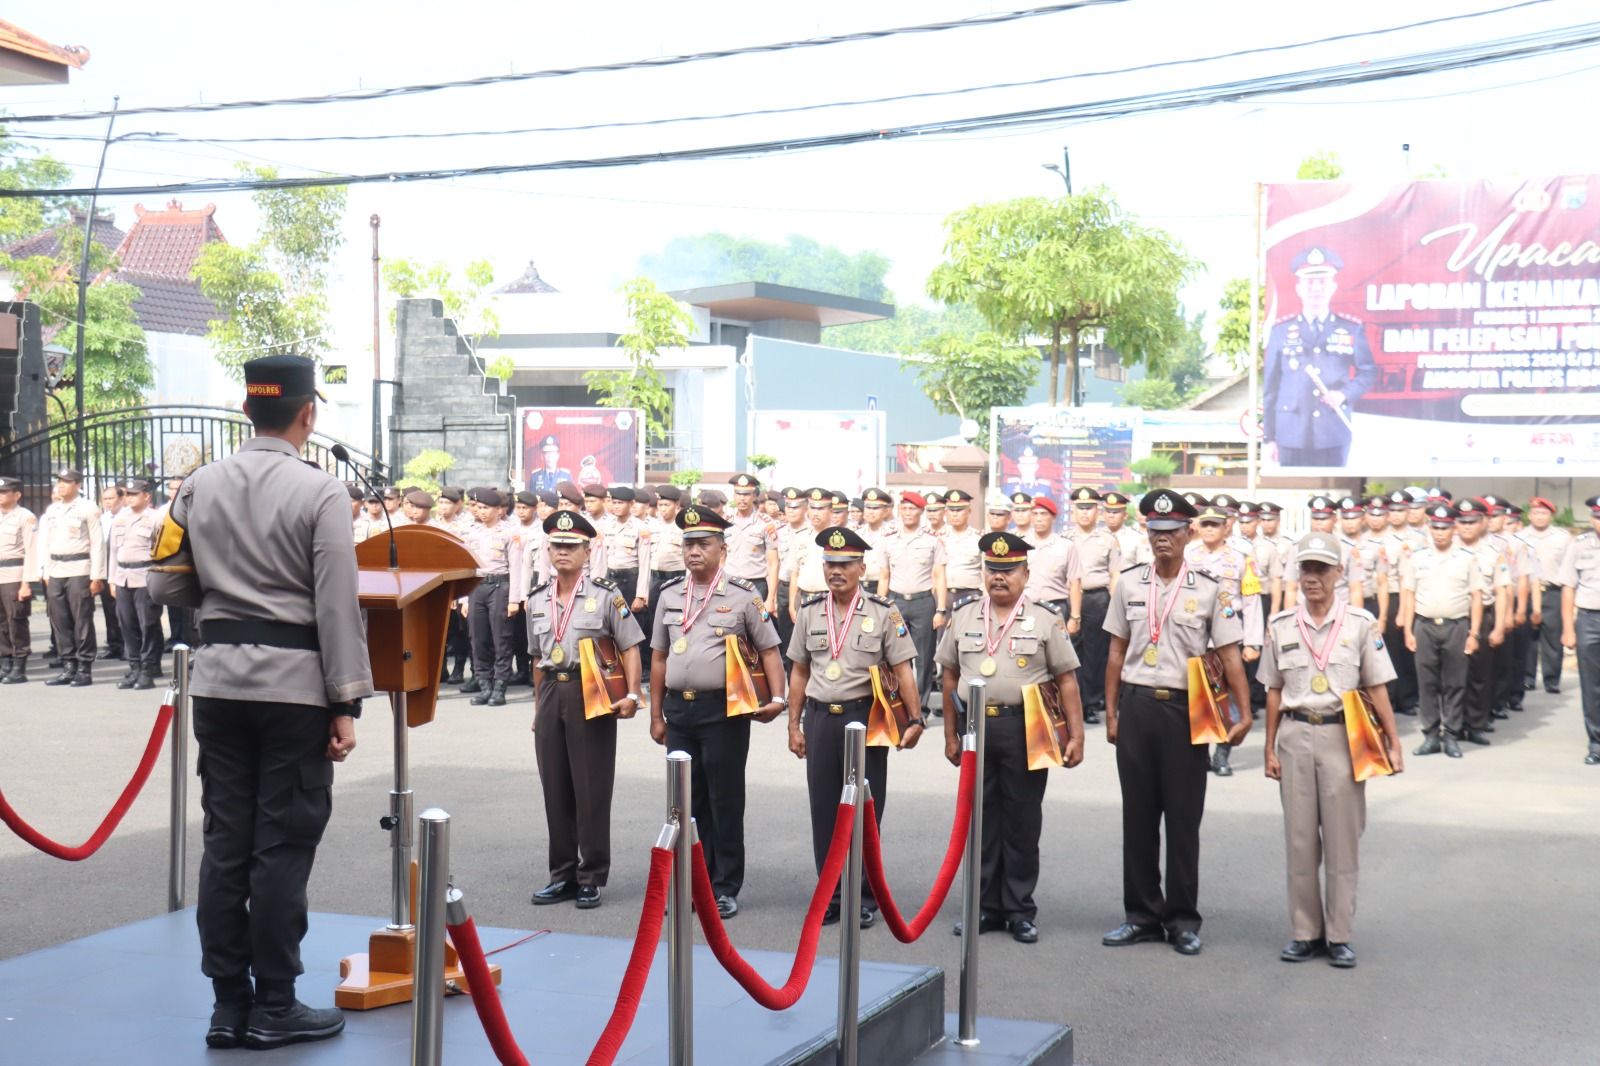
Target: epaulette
(743, 583)
(604, 582)
(675, 579)
(1133, 566)
(881, 601)
(1203, 572)
(811, 597)
(540, 587)
(1361, 612)
(1287, 612)
(971, 597)
(1047, 605)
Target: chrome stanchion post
(400, 820)
(427, 991)
(680, 915)
(856, 792)
(178, 834)
(972, 866)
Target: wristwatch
(916, 721)
(1075, 617)
(634, 696)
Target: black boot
(471, 687)
(152, 670)
(127, 679)
(278, 1019)
(69, 671)
(83, 678)
(230, 1014)
(497, 694)
(456, 675)
(485, 693)
(6, 666)
(141, 680)
(19, 672)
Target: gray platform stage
(134, 995)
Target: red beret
(1045, 503)
(1540, 501)
(914, 498)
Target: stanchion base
(382, 976)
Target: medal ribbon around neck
(1158, 617)
(992, 645)
(836, 639)
(1302, 620)
(562, 620)
(690, 618)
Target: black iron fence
(155, 443)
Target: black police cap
(568, 527)
(1164, 509)
(1003, 551)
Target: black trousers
(1163, 780)
(1258, 693)
(784, 623)
(491, 632)
(1335, 456)
(520, 662)
(182, 625)
(1546, 651)
(266, 786)
(108, 608)
(1441, 674)
(1013, 820)
(719, 746)
(1403, 689)
(458, 640)
(577, 761)
(825, 735)
(72, 618)
(1586, 625)
(1482, 681)
(141, 627)
(1521, 641)
(917, 608)
(1093, 645)
(15, 640)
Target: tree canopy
(659, 322)
(801, 262)
(967, 376)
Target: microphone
(341, 453)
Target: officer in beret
(1010, 641)
(133, 533)
(278, 682)
(839, 636)
(492, 606)
(577, 755)
(695, 615)
(417, 506)
(18, 564)
(550, 473)
(913, 576)
(1441, 610)
(1318, 366)
(1579, 578)
(1163, 614)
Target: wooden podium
(408, 612)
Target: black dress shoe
(588, 897)
(142, 681)
(727, 906)
(987, 923)
(456, 676)
(127, 680)
(1553, 691)
(64, 677)
(555, 892)
(869, 917)
(1186, 943)
(470, 688)
(83, 678)
(1475, 736)
(1498, 712)
(1341, 955)
(831, 915)
(1219, 762)
(1023, 931)
(1451, 748)
(1091, 717)
(1591, 759)
(1128, 933)
(483, 696)
(1429, 746)
(279, 1026)
(520, 678)
(1301, 950)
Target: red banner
(584, 445)
(1433, 328)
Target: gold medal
(589, 605)
(834, 672)
(558, 655)
(1319, 683)
(1151, 656)
(717, 632)
(867, 625)
(987, 668)
(1022, 661)
(680, 645)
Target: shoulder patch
(1131, 566)
(540, 587)
(971, 597)
(1286, 613)
(604, 582)
(1360, 612)
(812, 597)
(740, 582)
(675, 579)
(881, 601)
(1047, 605)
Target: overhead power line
(991, 19)
(1482, 53)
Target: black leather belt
(1160, 695)
(1314, 718)
(253, 631)
(1002, 710)
(624, 570)
(491, 580)
(142, 564)
(699, 695)
(563, 676)
(1103, 589)
(18, 561)
(842, 707)
(82, 557)
(1443, 621)
(909, 597)
(664, 575)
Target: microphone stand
(341, 453)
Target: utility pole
(1065, 169)
(83, 289)
(377, 362)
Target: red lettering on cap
(263, 390)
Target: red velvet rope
(705, 905)
(112, 818)
(485, 997)
(872, 853)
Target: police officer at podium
(278, 682)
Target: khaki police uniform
(132, 536)
(1580, 571)
(19, 565)
(914, 563)
(1100, 557)
(696, 709)
(1545, 653)
(1053, 565)
(628, 555)
(74, 557)
(1478, 701)
(1510, 656)
(1443, 584)
(1036, 651)
(751, 541)
(1324, 807)
(1398, 544)
(1163, 774)
(787, 536)
(963, 567)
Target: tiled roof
(529, 282)
(51, 241)
(16, 39)
(166, 243)
(169, 305)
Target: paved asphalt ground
(1476, 935)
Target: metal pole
(855, 792)
(377, 363)
(680, 915)
(427, 992)
(83, 289)
(399, 821)
(972, 866)
(178, 836)
(1253, 445)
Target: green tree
(273, 292)
(1233, 328)
(1320, 166)
(720, 259)
(912, 329)
(426, 470)
(470, 303)
(968, 376)
(23, 168)
(1152, 394)
(659, 322)
(1063, 269)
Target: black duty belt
(909, 597)
(841, 707)
(140, 565)
(663, 575)
(268, 634)
(699, 695)
(1161, 695)
(624, 570)
(491, 580)
(1316, 718)
(1102, 589)
(1002, 710)
(563, 676)
(1443, 621)
(18, 561)
(81, 557)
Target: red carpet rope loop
(705, 905)
(485, 997)
(872, 854)
(112, 818)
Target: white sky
(1191, 172)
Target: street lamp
(1065, 169)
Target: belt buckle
(1314, 718)
(1163, 694)
(991, 711)
(1438, 621)
(688, 694)
(835, 708)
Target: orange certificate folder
(888, 720)
(1208, 705)
(1045, 727)
(1369, 757)
(742, 695)
(596, 700)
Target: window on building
(1108, 364)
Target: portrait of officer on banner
(551, 473)
(1318, 366)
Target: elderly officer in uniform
(278, 681)
(133, 532)
(839, 636)
(577, 756)
(1549, 543)
(1165, 613)
(1318, 366)
(74, 572)
(695, 615)
(1441, 611)
(914, 577)
(19, 564)
(1579, 578)
(1100, 559)
(492, 606)
(1315, 654)
(1010, 641)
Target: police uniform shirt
(1550, 546)
(875, 539)
(1198, 621)
(1358, 660)
(1229, 566)
(1052, 567)
(666, 547)
(1443, 581)
(911, 559)
(1373, 560)
(806, 563)
(131, 538)
(1129, 540)
(491, 546)
(19, 540)
(628, 546)
(597, 610)
(786, 539)
(363, 527)
(74, 529)
(1269, 559)
(732, 609)
(1034, 652)
(1395, 549)
(749, 540)
(1580, 570)
(876, 634)
(1099, 555)
(1492, 566)
(963, 568)
(460, 524)
(1524, 560)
